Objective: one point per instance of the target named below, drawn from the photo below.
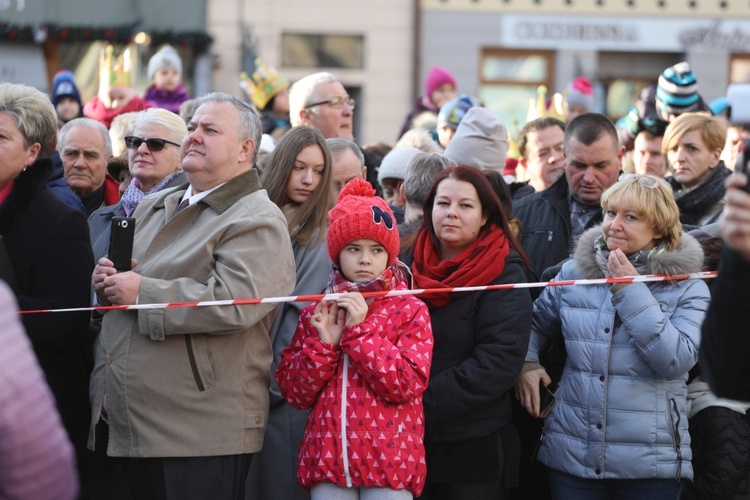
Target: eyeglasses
(335, 103)
(153, 145)
(644, 180)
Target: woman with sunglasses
(154, 163)
(298, 179)
(619, 428)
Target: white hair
(303, 93)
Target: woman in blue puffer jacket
(619, 428)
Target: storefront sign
(623, 34)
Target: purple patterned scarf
(133, 195)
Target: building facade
(503, 50)
(369, 46)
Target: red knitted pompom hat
(359, 214)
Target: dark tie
(182, 205)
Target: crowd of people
(349, 386)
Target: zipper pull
(549, 235)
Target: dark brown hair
(491, 207)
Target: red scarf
(476, 265)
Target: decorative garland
(114, 34)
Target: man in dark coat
(552, 219)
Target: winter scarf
(133, 194)
(685, 259)
(638, 259)
(695, 202)
(476, 265)
(389, 279)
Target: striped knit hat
(677, 91)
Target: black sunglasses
(153, 145)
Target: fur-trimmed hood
(687, 258)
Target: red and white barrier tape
(391, 293)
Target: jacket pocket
(674, 417)
(201, 361)
(254, 420)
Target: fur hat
(64, 85)
(359, 214)
(454, 110)
(435, 78)
(395, 162)
(677, 90)
(166, 57)
(480, 141)
(581, 93)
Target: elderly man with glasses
(320, 101)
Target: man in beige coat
(187, 388)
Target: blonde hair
(652, 198)
(713, 131)
(33, 113)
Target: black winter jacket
(50, 254)
(725, 343)
(481, 340)
(720, 440)
(547, 232)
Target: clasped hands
(330, 317)
(113, 287)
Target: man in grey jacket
(179, 395)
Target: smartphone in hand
(121, 242)
(547, 400)
(743, 163)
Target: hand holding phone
(121, 242)
(547, 400)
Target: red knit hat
(359, 214)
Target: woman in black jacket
(47, 258)
(480, 338)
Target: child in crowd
(360, 364)
(451, 114)
(269, 91)
(65, 96)
(116, 95)
(580, 98)
(165, 73)
(439, 88)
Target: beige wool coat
(194, 381)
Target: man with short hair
(348, 161)
(540, 144)
(321, 101)
(420, 174)
(555, 217)
(85, 147)
(179, 396)
(647, 156)
(552, 220)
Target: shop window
(622, 93)
(739, 68)
(322, 51)
(510, 78)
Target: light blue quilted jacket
(621, 404)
